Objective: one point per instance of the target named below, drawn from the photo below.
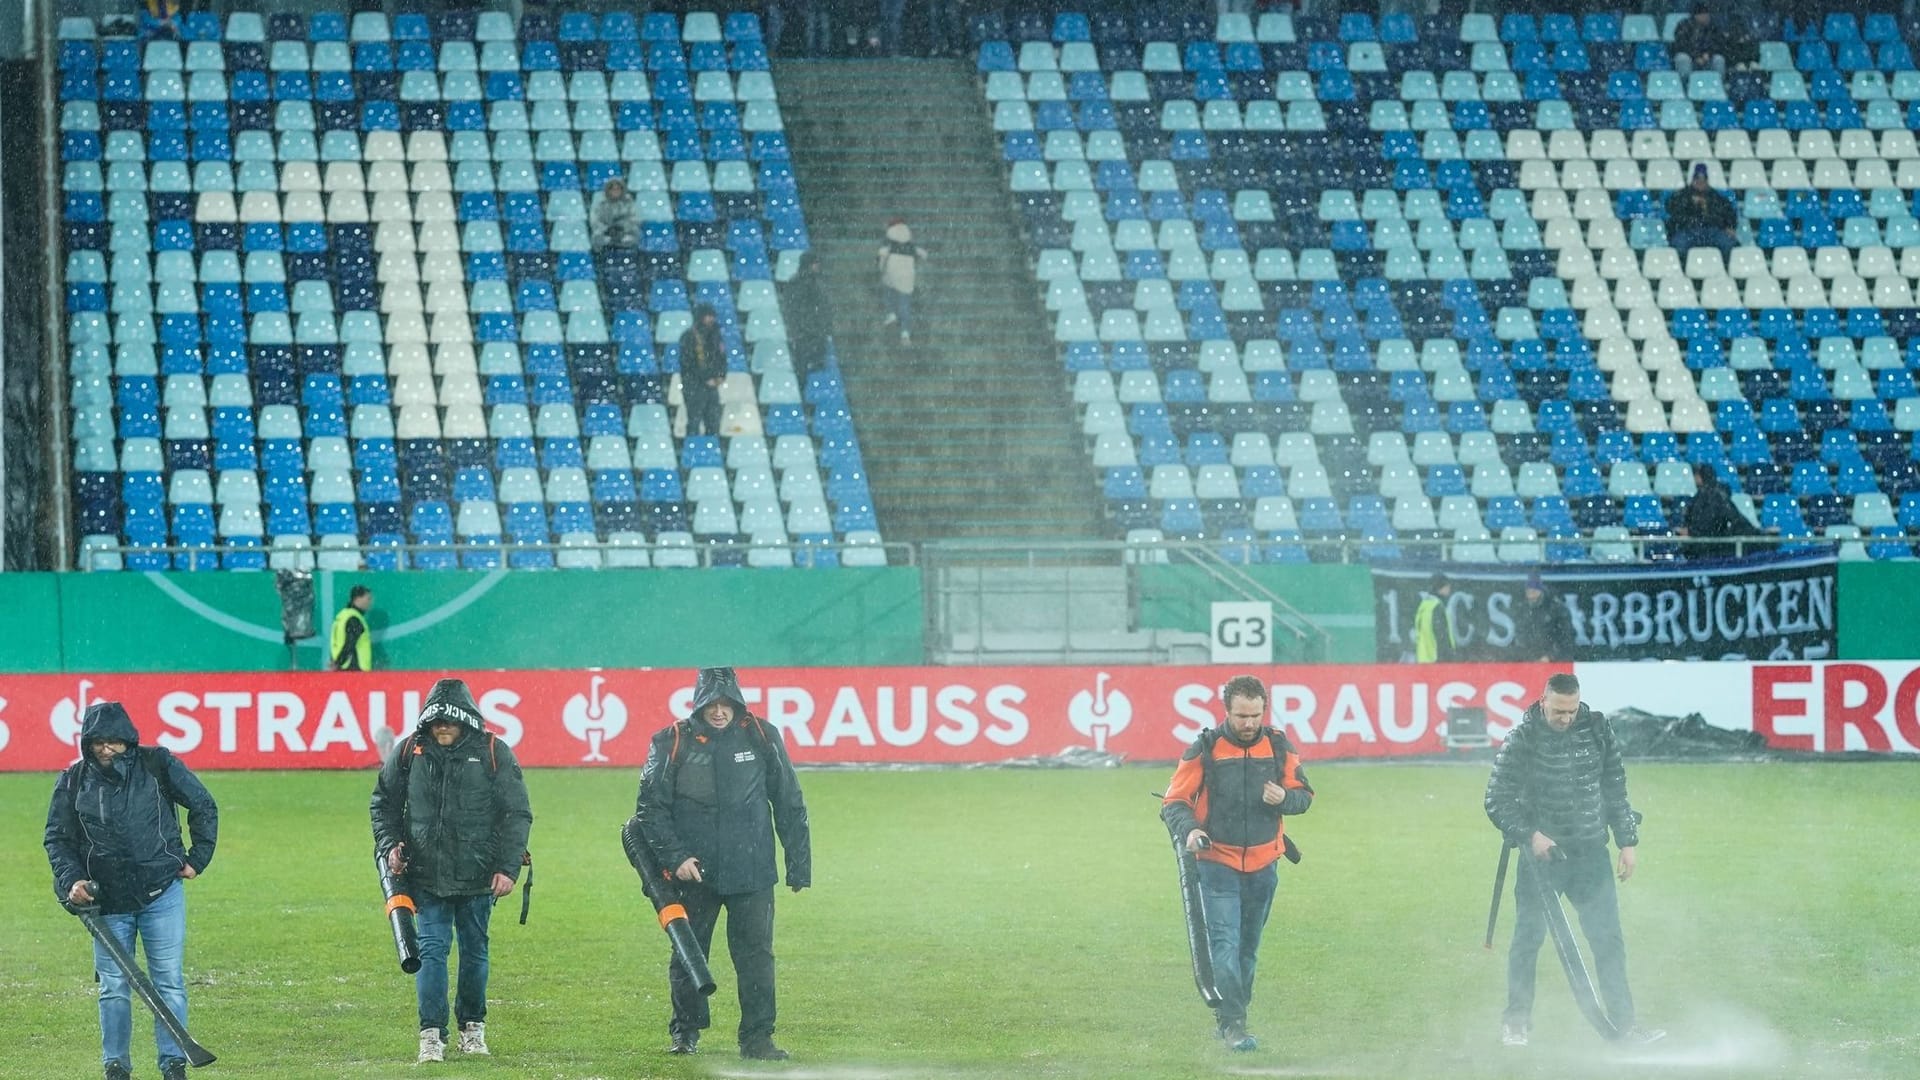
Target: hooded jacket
(462, 810)
(900, 259)
(117, 825)
(719, 795)
(703, 353)
(1570, 785)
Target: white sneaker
(432, 1046)
(890, 319)
(473, 1038)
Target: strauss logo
(1100, 712)
(67, 715)
(594, 717)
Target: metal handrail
(1230, 574)
(306, 558)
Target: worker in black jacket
(716, 788)
(450, 811)
(113, 839)
(1558, 787)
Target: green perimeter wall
(1877, 606)
(649, 618)
(614, 618)
(1339, 598)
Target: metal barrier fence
(595, 556)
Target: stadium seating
(1381, 280)
(330, 297)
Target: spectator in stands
(616, 222)
(1699, 44)
(803, 301)
(1713, 515)
(900, 262)
(1698, 216)
(815, 18)
(350, 646)
(1542, 627)
(946, 27)
(703, 367)
(1432, 629)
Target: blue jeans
(162, 929)
(900, 306)
(1237, 907)
(440, 920)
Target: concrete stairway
(969, 432)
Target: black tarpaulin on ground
(1646, 735)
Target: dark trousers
(703, 407)
(749, 942)
(1587, 880)
(1237, 908)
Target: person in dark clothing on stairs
(716, 788)
(703, 367)
(809, 316)
(1558, 787)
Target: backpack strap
(158, 761)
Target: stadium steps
(969, 433)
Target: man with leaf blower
(716, 788)
(1558, 787)
(1224, 807)
(450, 812)
(113, 839)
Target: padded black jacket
(1570, 785)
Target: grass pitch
(1003, 923)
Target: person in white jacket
(900, 262)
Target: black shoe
(685, 1044)
(763, 1050)
(117, 1071)
(175, 1069)
(1642, 1036)
(1237, 1039)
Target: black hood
(107, 720)
(450, 699)
(717, 684)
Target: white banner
(1825, 708)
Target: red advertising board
(268, 720)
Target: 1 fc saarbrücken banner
(1765, 608)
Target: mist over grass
(998, 923)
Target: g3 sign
(1242, 633)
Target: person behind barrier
(716, 788)
(1432, 629)
(350, 645)
(1542, 626)
(1227, 798)
(113, 839)
(1558, 787)
(450, 811)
